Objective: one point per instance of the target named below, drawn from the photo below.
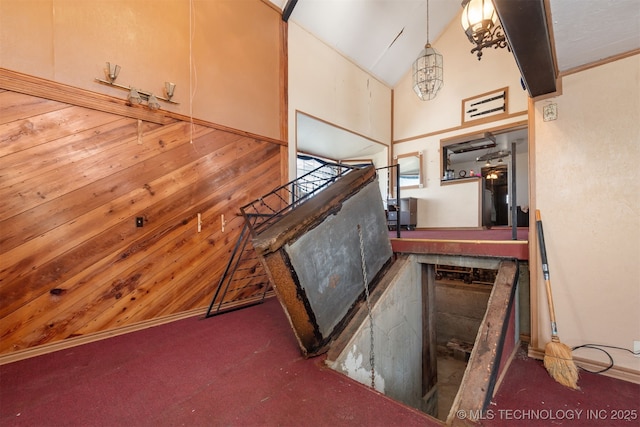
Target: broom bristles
(559, 364)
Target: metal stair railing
(269, 208)
(244, 277)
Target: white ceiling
(384, 37)
(586, 31)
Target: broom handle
(545, 273)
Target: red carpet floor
(242, 368)
(528, 396)
(245, 369)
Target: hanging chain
(427, 21)
(366, 293)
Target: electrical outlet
(636, 348)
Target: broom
(557, 356)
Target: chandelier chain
(427, 21)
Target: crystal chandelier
(427, 70)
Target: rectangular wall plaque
(490, 104)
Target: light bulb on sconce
(169, 88)
(153, 103)
(112, 72)
(134, 97)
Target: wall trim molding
(598, 63)
(98, 336)
(617, 372)
(469, 125)
(60, 92)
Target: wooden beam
(429, 342)
(525, 26)
(288, 9)
(481, 374)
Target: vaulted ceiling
(384, 37)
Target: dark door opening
(496, 195)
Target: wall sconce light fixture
(112, 72)
(169, 88)
(482, 26)
(137, 96)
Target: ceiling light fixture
(482, 26)
(427, 70)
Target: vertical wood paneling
(72, 181)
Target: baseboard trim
(97, 336)
(617, 372)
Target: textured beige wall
(587, 187)
(464, 77)
(223, 55)
(326, 85)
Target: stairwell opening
(373, 312)
(438, 341)
(461, 300)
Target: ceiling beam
(525, 26)
(288, 9)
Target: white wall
(587, 187)
(424, 123)
(326, 85)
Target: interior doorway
(496, 195)
(503, 156)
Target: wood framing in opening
(481, 375)
(429, 344)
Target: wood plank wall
(73, 180)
